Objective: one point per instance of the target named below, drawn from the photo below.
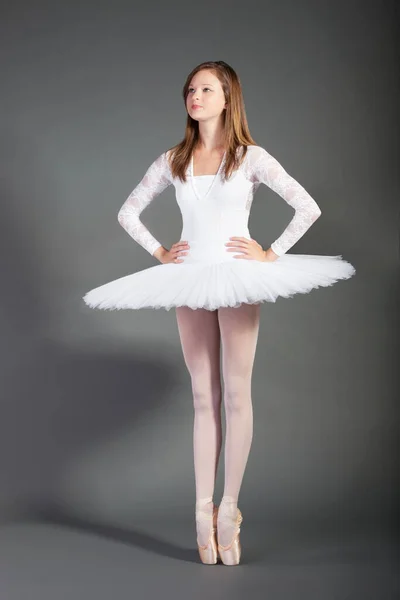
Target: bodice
(214, 209)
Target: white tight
(202, 332)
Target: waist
(206, 249)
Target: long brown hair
(236, 129)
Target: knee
(237, 396)
(206, 398)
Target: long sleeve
(266, 169)
(155, 180)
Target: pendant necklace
(192, 178)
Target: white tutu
(212, 285)
(212, 211)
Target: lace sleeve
(264, 168)
(155, 180)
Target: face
(205, 99)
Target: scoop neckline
(214, 177)
(207, 175)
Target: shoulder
(168, 156)
(254, 152)
(162, 163)
(163, 158)
(255, 155)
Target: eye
(206, 88)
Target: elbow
(316, 214)
(120, 215)
(127, 214)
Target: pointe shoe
(230, 554)
(208, 553)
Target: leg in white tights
(201, 332)
(239, 333)
(200, 339)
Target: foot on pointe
(227, 520)
(204, 519)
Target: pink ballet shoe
(208, 553)
(230, 554)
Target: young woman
(216, 276)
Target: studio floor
(64, 558)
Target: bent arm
(155, 180)
(269, 171)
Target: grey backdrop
(96, 409)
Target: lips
(196, 106)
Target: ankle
(229, 501)
(228, 507)
(204, 504)
(226, 498)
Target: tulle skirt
(212, 284)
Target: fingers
(238, 242)
(237, 247)
(247, 247)
(179, 245)
(178, 249)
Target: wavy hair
(236, 130)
